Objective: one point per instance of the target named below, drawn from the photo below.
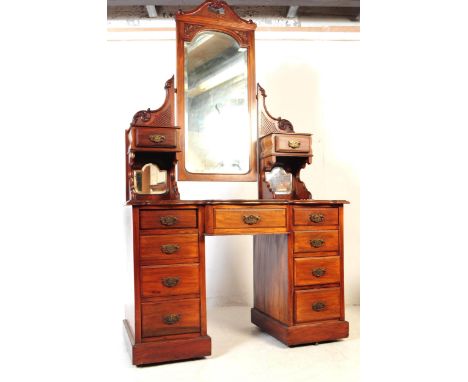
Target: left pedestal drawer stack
(169, 283)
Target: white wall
(312, 83)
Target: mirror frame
(216, 16)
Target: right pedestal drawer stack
(318, 265)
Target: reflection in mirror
(150, 180)
(280, 181)
(217, 126)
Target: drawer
(292, 143)
(317, 304)
(317, 270)
(168, 219)
(161, 247)
(225, 218)
(155, 137)
(170, 317)
(315, 217)
(161, 281)
(316, 241)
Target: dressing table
(214, 126)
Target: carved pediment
(216, 11)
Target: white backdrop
(312, 83)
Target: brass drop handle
(157, 138)
(168, 220)
(169, 249)
(316, 243)
(251, 219)
(171, 319)
(170, 282)
(318, 306)
(318, 272)
(294, 144)
(316, 218)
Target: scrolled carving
(219, 9)
(143, 116)
(190, 30)
(243, 36)
(285, 125)
(217, 4)
(267, 123)
(162, 117)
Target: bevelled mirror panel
(280, 181)
(217, 127)
(150, 180)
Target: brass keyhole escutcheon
(318, 306)
(168, 220)
(157, 138)
(316, 218)
(170, 282)
(169, 249)
(316, 243)
(318, 272)
(171, 319)
(251, 219)
(294, 144)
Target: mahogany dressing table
(298, 241)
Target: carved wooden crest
(267, 123)
(219, 10)
(164, 116)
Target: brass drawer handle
(316, 218)
(157, 138)
(170, 282)
(169, 249)
(316, 243)
(318, 306)
(251, 219)
(168, 220)
(294, 144)
(319, 272)
(171, 319)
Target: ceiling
(295, 8)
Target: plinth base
(303, 333)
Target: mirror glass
(280, 181)
(217, 125)
(150, 180)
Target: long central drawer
(246, 220)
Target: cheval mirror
(214, 125)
